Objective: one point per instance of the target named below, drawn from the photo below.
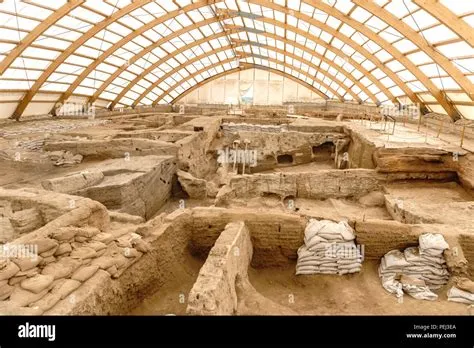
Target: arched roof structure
(122, 53)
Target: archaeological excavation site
(236, 158)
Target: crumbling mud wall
(214, 292)
(269, 142)
(165, 243)
(30, 210)
(33, 273)
(135, 185)
(381, 236)
(466, 172)
(467, 246)
(169, 136)
(193, 150)
(86, 265)
(275, 236)
(414, 160)
(114, 148)
(360, 150)
(322, 184)
(410, 212)
(405, 161)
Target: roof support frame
(156, 83)
(412, 68)
(38, 31)
(70, 50)
(172, 88)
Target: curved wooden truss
(70, 50)
(243, 55)
(39, 30)
(418, 40)
(232, 33)
(445, 16)
(372, 36)
(239, 44)
(229, 60)
(234, 30)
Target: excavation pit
(148, 221)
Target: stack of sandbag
(462, 291)
(417, 288)
(329, 249)
(431, 269)
(422, 268)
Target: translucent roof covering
(121, 53)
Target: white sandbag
(321, 247)
(433, 241)
(327, 242)
(349, 271)
(434, 259)
(431, 252)
(457, 295)
(349, 261)
(412, 254)
(312, 228)
(392, 286)
(329, 230)
(315, 240)
(419, 292)
(304, 272)
(349, 266)
(395, 259)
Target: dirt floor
(308, 167)
(281, 292)
(171, 299)
(429, 192)
(359, 294)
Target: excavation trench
(238, 262)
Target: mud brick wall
(193, 150)
(85, 267)
(316, 185)
(275, 236)
(381, 236)
(165, 242)
(214, 291)
(169, 136)
(139, 186)
(271, 145)
(466, 172)
(467, 245)
(115, 148)
(360, 150)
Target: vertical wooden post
(440, 128)
(462, 135)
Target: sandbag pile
(417, 270)
(462, 291)
(329, 249)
